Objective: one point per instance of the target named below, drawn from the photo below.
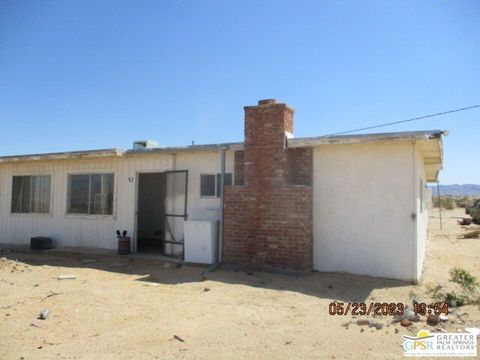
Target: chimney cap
(267, 102)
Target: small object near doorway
(161, 211)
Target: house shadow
(335, 286)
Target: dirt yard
(124, 308)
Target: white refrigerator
(201, 241)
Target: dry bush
(465, 282)
(464, 201)
(447, 202)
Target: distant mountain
(458, 190)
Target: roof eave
(292, 143)
(192, 148)
(366, 138)
(88, 154)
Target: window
(210, 184)
(90, 194)
(31, 194)
(207, 185)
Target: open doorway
(161, 211)
(151, 212)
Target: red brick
(268, 213)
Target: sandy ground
(121, 308)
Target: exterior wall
(99, 231)
(300, 166)
(362, 209)
(422, 199)
(239, 160)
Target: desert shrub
(464, 202)
(475, 214)
(451, 298)
(467, 284)
(467, 281)
(447, 202)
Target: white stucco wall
(422, 198)
(99, 231)
(363, 205)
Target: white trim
(134, 244)
(414, 221)
(91, 217)
(33, 215)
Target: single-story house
(351, 203)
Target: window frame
(51, 200)
(215, 186)
(216, 176)
(112, 216)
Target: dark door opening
(151, 212)
(161, 211)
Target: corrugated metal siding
(99, 231)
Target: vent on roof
(145, 145)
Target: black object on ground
(40, 243)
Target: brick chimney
(267, 126)
(268, 213)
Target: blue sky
(98, 74)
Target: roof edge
(63, 155)
(364, 138)
(292, 143)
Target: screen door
(176, 183)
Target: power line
(407, 120)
